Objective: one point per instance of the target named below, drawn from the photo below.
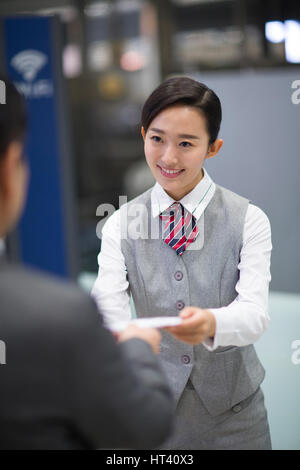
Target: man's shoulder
(39, 282)
(40, 296)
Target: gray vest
(162, 283)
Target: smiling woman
(210, 265)
(180, 124)
(176, 159)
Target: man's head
(13, 169)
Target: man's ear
(143, 133)
(9, 162)
(214, 148)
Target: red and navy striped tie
(179, 227)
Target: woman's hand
(198, 324)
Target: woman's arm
(111, 288)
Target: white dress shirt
(241, 322)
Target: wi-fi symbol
(28, 63)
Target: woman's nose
(169, 157)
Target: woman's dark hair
(13, 121)
(184, 90)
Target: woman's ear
(143, 133)
(214, 148)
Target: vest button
(178, 275)
(185, 359)
(237, 408)
(180, 304)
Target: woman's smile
(170, 173)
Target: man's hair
(184, 90)
(13, 120)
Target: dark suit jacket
(66, 383)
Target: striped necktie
(179, 227)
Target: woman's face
(176, 145)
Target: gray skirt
(243, 427)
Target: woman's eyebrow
(182, 136)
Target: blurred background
(107, 57)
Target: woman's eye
(156, 138)
(185, 144)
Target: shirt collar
(195, 202)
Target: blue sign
(31, 64)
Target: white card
(150, 322)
